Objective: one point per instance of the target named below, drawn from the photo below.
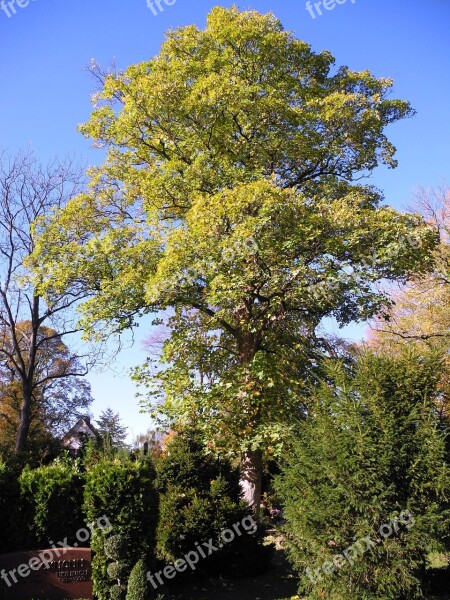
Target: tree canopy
(420, 312)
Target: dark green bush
(11, 520)
(52, 497)
(123, 491)
(200, 498)
(188, 466)
(370, 450)
(138, 586)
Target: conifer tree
(369, 461)
(112, 431)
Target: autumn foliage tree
(420, 314)
(59, 395)
(230, 198)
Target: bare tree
(29, 191)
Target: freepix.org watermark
(315, 8)
(46, 557)
(329, 287)
(157, 6)
(10, 7)
(361, 546)
(202, 550)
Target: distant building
(76, 436)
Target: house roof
(83, 427)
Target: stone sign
(53, 574)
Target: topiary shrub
(116, 546)
(365, 484)
(52, 498)
(117, 570)
(123, 491)
(138, 586)
(118, 550)
(200, 499)
(117, 592)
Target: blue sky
(45, 90)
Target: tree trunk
(251, 460)
(251, 479)
(25, 421)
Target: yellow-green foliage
(229, 195)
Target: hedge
(124, 492)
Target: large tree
(230, 198)
(31, 328)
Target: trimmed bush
(52, 498)
(116, 546)
(117, 570)
(124, 491)
(138, 586)
(117, 549)
(117, 592)
(200, 499)
(370, 461)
